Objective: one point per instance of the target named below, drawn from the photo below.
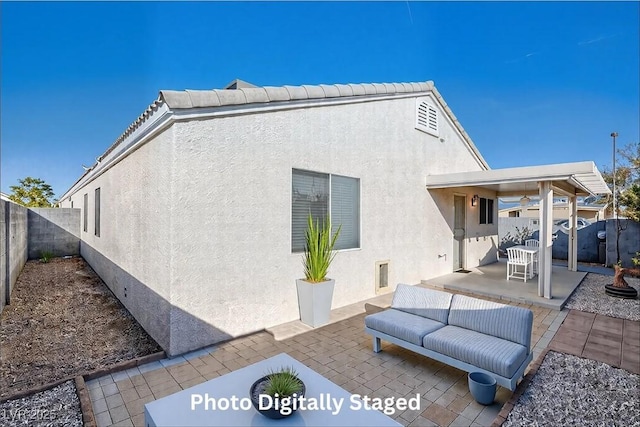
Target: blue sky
(532, 83)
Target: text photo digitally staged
(324, 402)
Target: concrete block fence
(13, 247)
(25, 233)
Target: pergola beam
(563, 188)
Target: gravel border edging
(34, 390)
(142, 360)
(88, 417)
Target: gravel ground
(590, 297)
(569, 390)
(572, 391)
(58, 406)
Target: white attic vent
(426, 117)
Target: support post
(572, 265)
(546, 239)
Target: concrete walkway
(341, 352)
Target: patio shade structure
(571, 180)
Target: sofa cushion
(423, 302)
(404, 326)
(499, 320)
(496, 355)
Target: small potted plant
(315, 291)
(274, 394)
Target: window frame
(85, 213)
(486, 208)
(328, 208)
(96, 212)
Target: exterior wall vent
(382, 276)
(426, 117)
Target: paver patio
(615, 342)
(341, 352)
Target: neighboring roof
(4, 196)
(244, 93)
(580, 206)
(581, 179)
(237, 83)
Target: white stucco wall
(201, 216)
(232, 217)
(133, 253)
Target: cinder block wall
(13, 245)
(510, 228)
(629, 241)
(55, 230)
(3, 254)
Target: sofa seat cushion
(494, 354)
(404, 326)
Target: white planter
(314, 301)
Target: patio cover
(565, 179)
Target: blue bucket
(482, 387)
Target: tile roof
(242, 95)
(183, 99)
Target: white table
(531, 252)
(175, 410)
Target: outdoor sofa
(467, 333)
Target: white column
(573, 234)
(546, 240)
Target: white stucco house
(194, 217)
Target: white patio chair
(518, 258)
(533, 243)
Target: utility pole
(615, 205)
(615, 202)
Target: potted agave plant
(315, 291)
(273, 395)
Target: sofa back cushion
(423, 302)
(491, 318)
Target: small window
(426, 117)
(486, 211)
(97, 212)
(85, 212)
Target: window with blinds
(322, 194)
